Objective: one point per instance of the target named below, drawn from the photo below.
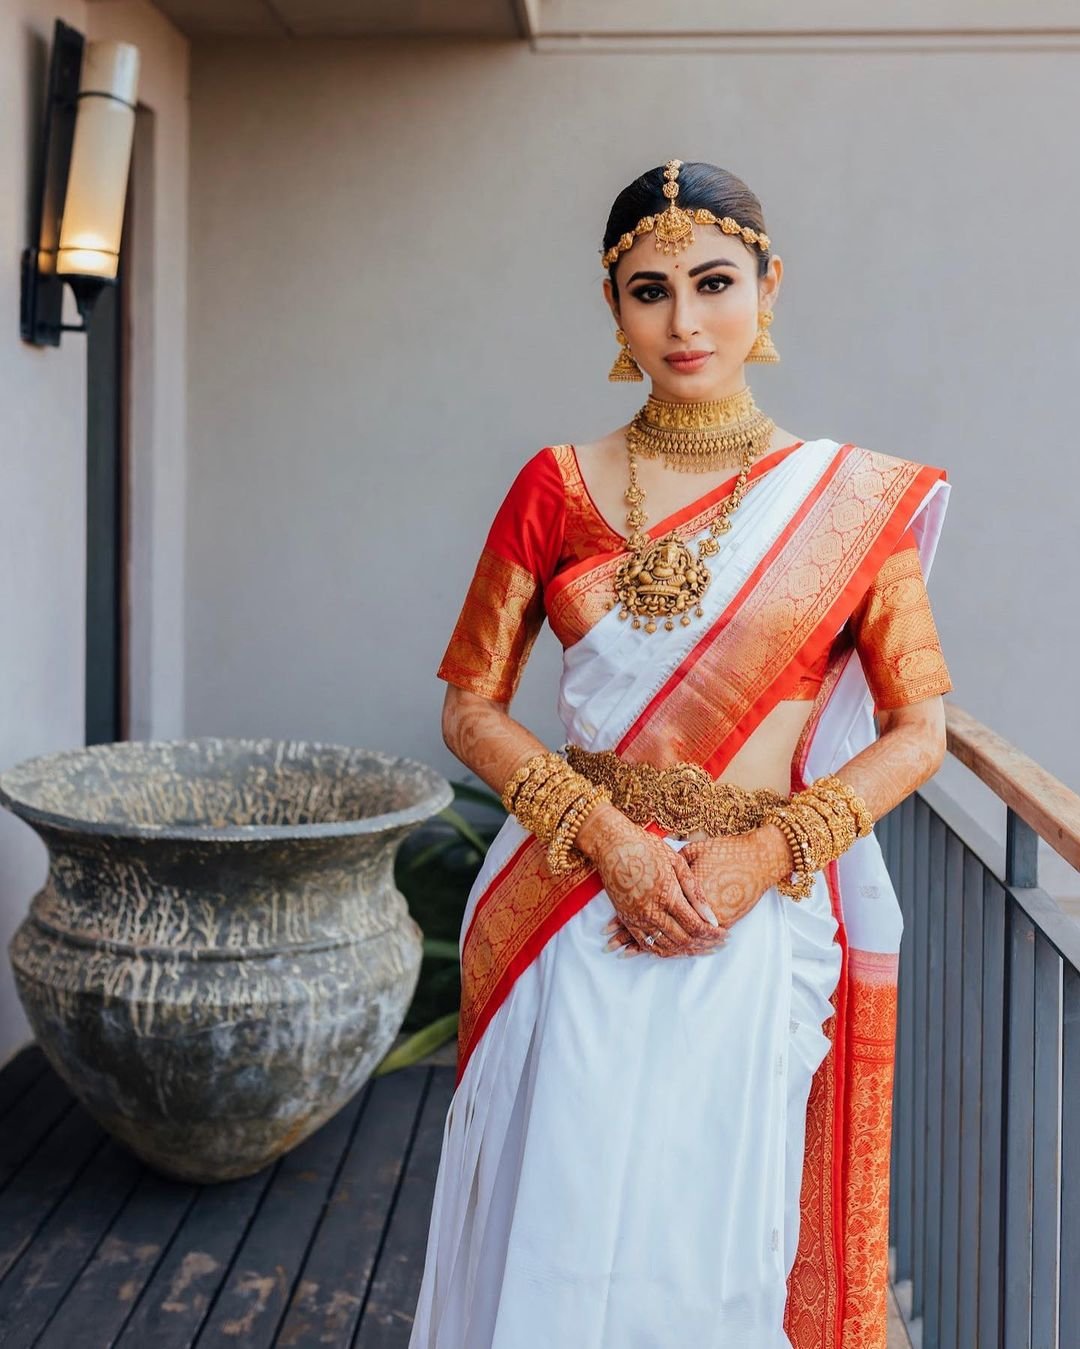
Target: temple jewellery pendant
(661, 578)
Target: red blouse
(548, 521)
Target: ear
(609, 296)
(769, 284)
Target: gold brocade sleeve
(896, 637)
(499, 622)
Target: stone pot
(219, 956)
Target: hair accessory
(674, 227)
(625, 367)
(763, 348)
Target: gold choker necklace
(697, 437)
(661, 578)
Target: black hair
(699, 185)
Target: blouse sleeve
(895, 634)
(503, 610)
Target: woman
(689, 1147)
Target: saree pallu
(692, 1151)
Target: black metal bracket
(42, 290)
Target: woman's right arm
(650, 885)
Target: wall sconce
(85, 160)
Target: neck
(721, 389)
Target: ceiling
(688, 24)
(348, 18)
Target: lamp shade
(93, 215)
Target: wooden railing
(985, 1197)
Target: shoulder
(882, 461)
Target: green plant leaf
(481, 796)
(419, 1045)
(464, 828)
(443, 950)
(433, 850)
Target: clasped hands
(676, 895)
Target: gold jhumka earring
(763, 348)
(625, 367)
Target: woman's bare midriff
(765, 759)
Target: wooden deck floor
(325, 1247)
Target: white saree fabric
(622, 1158)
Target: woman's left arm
(909, 749)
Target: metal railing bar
(951, 1150)
(905, 1111)
(920, 959)
(971, 1102)
(993, 1079)
(1019, 1126)
(934, 1061)
(1045, 1165)
(1069, 1306)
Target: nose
(683, 316)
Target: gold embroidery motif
(499, 622)
(896, 636)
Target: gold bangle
(515, 780)
(562, 855)
(539, 767)
(838, 822)
(802, 882)
(858, 807)
(528, 796)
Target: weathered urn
(219, 956)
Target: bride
(670, 1125)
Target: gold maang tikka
(661, 578)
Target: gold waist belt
(682, 797)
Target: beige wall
(395, 301)
(43, 437)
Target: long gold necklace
(661, 578)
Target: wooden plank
(175, 1301)
(329, 1295)
(1044, 802)
(101, 1300)
(19, 1074)
(250, 1306)
(28, 1122)
(388, 1313)
(39, 1280)
(42, 1181)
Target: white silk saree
(694, 1151)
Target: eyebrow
(701, 267)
